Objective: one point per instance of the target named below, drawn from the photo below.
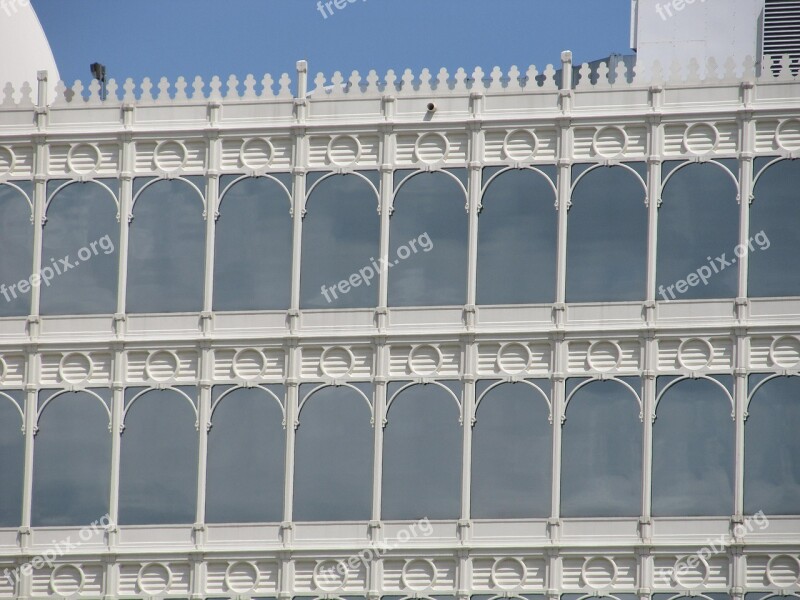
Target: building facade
(436, 335)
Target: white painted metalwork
(504, 120)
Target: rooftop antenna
(99, 73)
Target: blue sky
(154, 38)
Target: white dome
(22, 37)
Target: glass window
(772, 449)
(422, 449)
(601, 450)
(79, 249)
(72, 458)
(341, 243)
(166, 256)
(517, 239)
(246, 452)
(158, 462)
(16, 249)
(428, 245)
(693, 450)
(512, 451)
(705, 596)
(774, 243)
(607, 236)
(12, 449)
(253, 246)
(333, 455)
(698, 231)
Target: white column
(32, 361)
(31, 394)
(558, 398)
(475, 170)
(292, 406)
(381, 349)
(740, 389)
(557, 339)
(564, 193)
(31, 427)
(644, 560)
(125, 215)
(387, 197)
(211, 216)
(40, 170)
(468, 408)
(564, 182)
(464, 582)
(747, 142)
(203, 429)
(746, 176)
(649, 343)
(291, 348)
(117, 427)
(468, 379)
(381, 382)
(298, 190)
(654, 166)
(648, 407)
(380, 400)
(298, 210)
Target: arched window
(774, 244)
(246, 452)
(693, 449)
(615, 596)
(422, 451)
(601, 449)
(253, 245)
(517, 234)
(341, 243)
(12, 449)
(512, 451)
(772, 448)
(333, 455)
(72, 458)
(166, 256)
(16, 248)
(607, 235)
(668, 580)
(79, 249)
(698, 232)
(428, 242)
(158, 462)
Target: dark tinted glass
(253, 247)
(80, 257)
(517, 233)
(607, 237)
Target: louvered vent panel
(782, 32)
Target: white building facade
(402, 337)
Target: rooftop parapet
(497, 81)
